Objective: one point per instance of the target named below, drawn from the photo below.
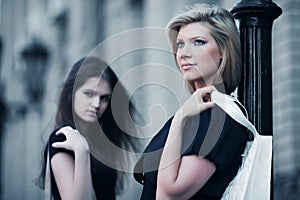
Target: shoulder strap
(227, 103)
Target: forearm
(171, 156)
(82, 183)
(180, 177)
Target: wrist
(82, 158)
(83, 146)
(82, 151)
(181, 116)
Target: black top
(225, 141)
(103, 177)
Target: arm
(73, 177)
(181, 177)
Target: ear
(221, 55)
(221, 59)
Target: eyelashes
(105, 97)
(199, 42)
(196, 42)
(91, 94)
(180, 45)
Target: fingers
(74, 140)
(59, 144)
(64, 130)
(204, 93)
(207, 90)
(205, 97)
(207, 105)
(69, 133)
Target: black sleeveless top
(103, 177)
(225, 141)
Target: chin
(90, 120)
(191, 78)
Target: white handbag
(253, 179)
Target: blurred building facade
(286, 104)
(66, 30)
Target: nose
(184, 52)
(96, 103)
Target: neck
(201, 83)
(81, 125)
(197, 86)
(219, 86)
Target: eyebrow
(106, 95)
(193, 38)
(95, 92)
(88, 89)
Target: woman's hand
(197, 103)
(74, 140)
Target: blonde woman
(200, 146)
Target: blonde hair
(223, 30)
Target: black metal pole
(255, 92)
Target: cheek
(103, 107)
(79, 100)
(210, 59)
(80, 103)
(76, 104)
(78, 108)
(178, 60)
(177, 57)
(215, 55)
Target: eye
(89, 93)
(105, 98)
(199, 42)
(180, 45)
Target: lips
(92, 113)
(186, 66)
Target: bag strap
(227, 103)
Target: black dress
(225, 141)
(103, 177)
